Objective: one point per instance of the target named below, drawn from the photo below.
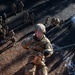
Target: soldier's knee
(43, 71)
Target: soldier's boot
(53, 21)
(47, 21)
(13, 39)
(57, 21)
(11, 33)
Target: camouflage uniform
(38, 63)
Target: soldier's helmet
(40, 27)
(0, 26)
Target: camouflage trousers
(32, 69)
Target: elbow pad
(48, 52)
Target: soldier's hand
(31, 47)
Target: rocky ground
(13, 59)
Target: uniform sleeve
(25, 44)
(49, 46)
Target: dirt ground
(14, 58)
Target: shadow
(49, 8)
(63, 35)
(7, 47)
(46, 8)
(40, 12)
(50, 60)
(53, 31)
(6, 6)
(26, 35)
(21, 27)
(20, 71)
(61, 60)
(65, 72)
(18, 58)
(56, 65)
(58, 6)
(67, 38)
(30, 3)
(5, 1)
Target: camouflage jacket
(33, 43)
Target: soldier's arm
(49, 48)
(25, 44)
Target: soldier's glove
(48, 52)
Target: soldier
(26, 17)
(41, 47)
(53, 22)
(47, 21)
(14, 9)
(21, 6)
(57, 21)
(32, 18)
